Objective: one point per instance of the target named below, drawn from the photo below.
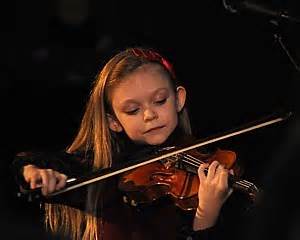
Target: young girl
(136, 102)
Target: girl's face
(146, 106)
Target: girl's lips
(153, 129)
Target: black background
(234, 71)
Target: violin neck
(244, 186)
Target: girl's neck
(129, 149)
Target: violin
(170, 171)
(176, 176)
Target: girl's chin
(155, 140)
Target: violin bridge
(170, 161)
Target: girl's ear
(180, 98)
(113, 123)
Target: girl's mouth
(153, 129)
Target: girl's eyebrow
(129, 101)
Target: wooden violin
(176, 177)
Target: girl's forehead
(149, 74)
(143, 82)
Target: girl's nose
(149, 115)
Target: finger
(212, 170)
(61, 181)
(223, 177)
(45, 181)
(201, 171)
(52, 180)
(35, 181)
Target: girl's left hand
(213, 192)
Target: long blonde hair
(94, 135)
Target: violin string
(242, 183)
(192, 164)
(247, 184)
(189, 162)
(191, 158)
(192, 161)
(196, 163)
(247, 187)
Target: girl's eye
(132, 112)
(160, 102)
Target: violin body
(170, 178)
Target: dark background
(234, 71)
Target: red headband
(156, 57)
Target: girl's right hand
(48, 179)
